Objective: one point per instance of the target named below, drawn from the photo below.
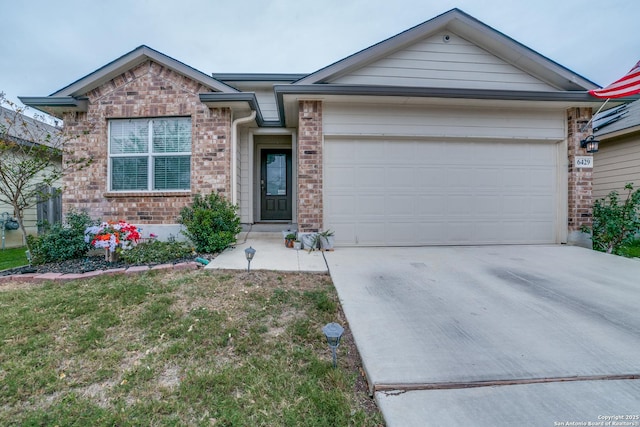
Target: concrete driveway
(496, 336)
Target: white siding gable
(438, 62)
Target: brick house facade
(331, 121)
(146, 91)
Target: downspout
(234, 154)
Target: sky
(46, 45)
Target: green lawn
(631, 251)
(15, 257)
(178, 348)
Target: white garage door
(400, 192)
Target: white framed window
(150, 154)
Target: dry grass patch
(179, 348)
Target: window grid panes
(150, 154)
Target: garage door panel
(540, 231)
(346, 231)
(488, 231)
(435, 151)
(370, 205)
(339, 154)
(431, 205)
(460, 232)
(370, 233)
(369, 178)
(487, 178)
(341, 178)
(402, 232)
(457, 178)
(341, 206)
(431, 231)
(490, 205)
(399, 177)
(517, 205)
(430, 177)
(401, 205)
(541, 179)
(433, 192)
(540, 205)
(458, 205)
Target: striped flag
(626, 86)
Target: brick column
(580, 199)
(310, 166)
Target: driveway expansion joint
(395, 389)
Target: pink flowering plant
(112, 235)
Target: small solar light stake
(333, 332)
(249, 253)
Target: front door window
(276, 174)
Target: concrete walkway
(271, 254)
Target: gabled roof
(473, 30)
(130, 60)
(70, 98)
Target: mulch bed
(78, 266)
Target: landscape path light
(333, 332)
(249, 253)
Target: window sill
(115, 194)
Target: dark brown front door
(275, 184)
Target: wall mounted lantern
(590, 143)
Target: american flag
(628, 85)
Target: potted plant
(289, 239)
(297, 245)
(326, 240)
(310, 241)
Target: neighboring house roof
(618, 121)
(33, 132)
(469, 28)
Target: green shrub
(211, 223)
(615, 222)
(61, 242)
(156, 252)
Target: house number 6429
(584, 161)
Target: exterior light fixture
(590, 143)
(333, 332)
(249, 253)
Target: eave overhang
(561, 99)
(435, 92)
(55, 105)
(237, 101)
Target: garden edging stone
(64, 277)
